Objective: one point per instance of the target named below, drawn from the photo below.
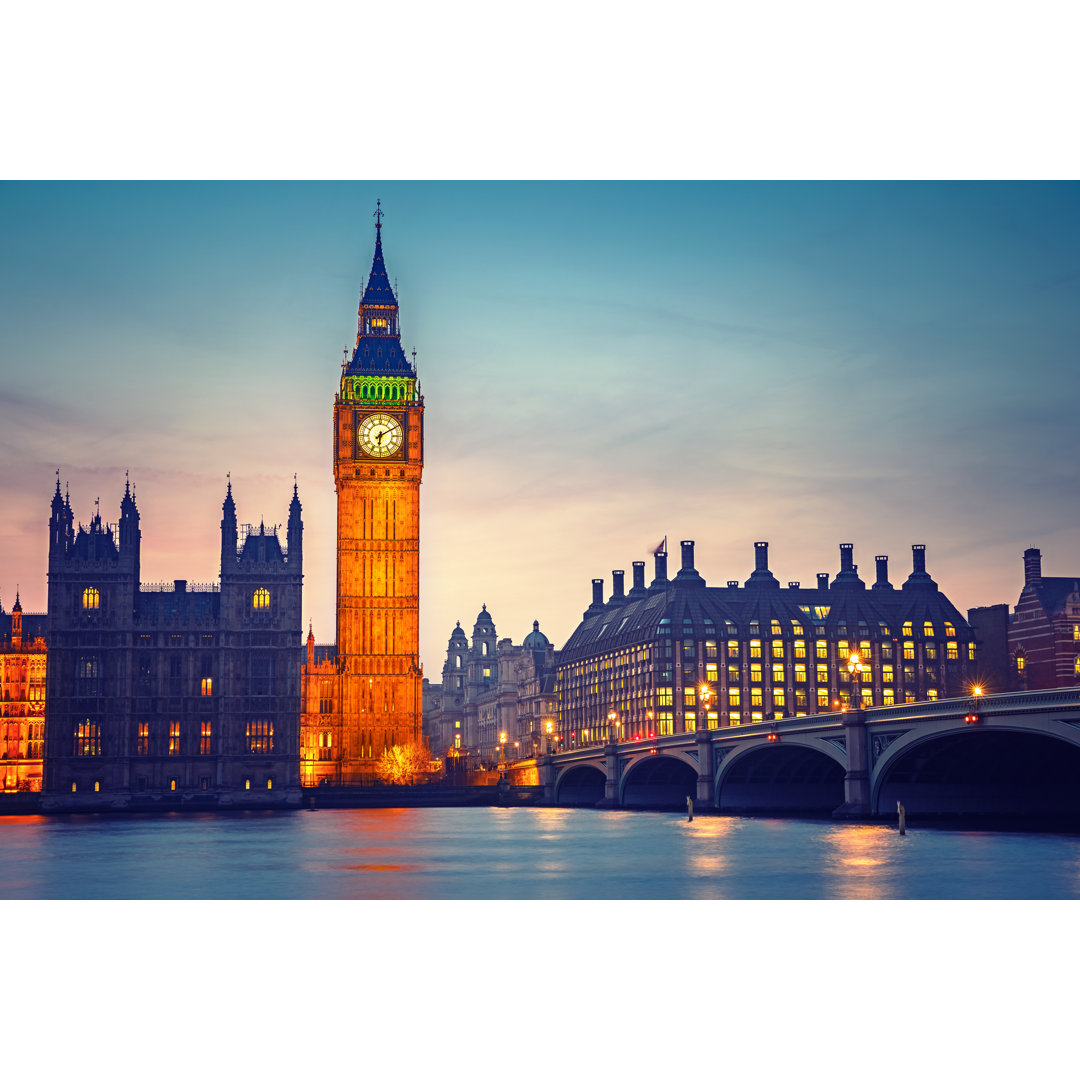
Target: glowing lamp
(971, 718)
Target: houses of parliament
(128, 694)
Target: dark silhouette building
(160, 694)
(677, 654)
(1044, 634)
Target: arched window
(261, 600)
(91, 599)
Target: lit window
(1076, 632)
(952, 650)
(261, 599)
(821, 649)
(822, 673)
(778, 673)
(204, 737)
(928, 629)
(822, 698)
(87, 740)
(269, 783)
(734, 697)
(755, 673)
(1076, 666)
(950, 630)
(247, 784)
(174, 737)
(755, 648)
(778, 698)
(778, 649)
(142, 743)
(905, 630)
(971, 650)
(97, 785)
(207, 687)
(689, 721)
(711, 673)
(796, 627)
(733, 649)
(909, 650)
(172, 783)
(756, 701)
(889, 697)
(886, 673)
(931, 695)
(91, 599)
(260, 737)
(800, 673)
(734, 719)
(800, 650)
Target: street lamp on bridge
(855, 668)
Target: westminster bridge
(1000, 754)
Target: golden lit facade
(378, 461)
(22, 700)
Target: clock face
(379, 435)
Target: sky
(604, 364)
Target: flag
(661, 548)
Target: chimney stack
(617, 595)
(918, 558)
(847, 558)
(882, 572)
(823, 581)
(687, 554)
(1033, 567)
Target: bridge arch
(1008, 767)
(800, 773)
(581, 784)
(659, 781)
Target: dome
(484, 618)
(458, 635)
(535, 641)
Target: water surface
(476, 853)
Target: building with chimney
(22, 698)
(678, 654)
(1044, 633)
(172, 694)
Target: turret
(128, 532)
(59, 526)
(229, 531)
(295, 537)
(16, 622)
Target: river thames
(477, 853)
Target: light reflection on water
(520, 853)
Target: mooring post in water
(900, 813)
(689, 808)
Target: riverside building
(677, 654)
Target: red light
(773, 737)
(652, 734)
(637, 738)
(971, 718)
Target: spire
(18, 605)
(378, 289)
(378, 336)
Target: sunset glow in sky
(603, 364)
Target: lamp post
(613, 726)
(855, 668)
(705, 695)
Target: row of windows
(172, 783)
(259, 736)
(91, 599)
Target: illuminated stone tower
(378, 459)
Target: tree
(403, 764)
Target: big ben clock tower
(378, 459)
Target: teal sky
(603, 364)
